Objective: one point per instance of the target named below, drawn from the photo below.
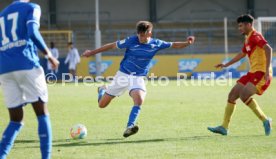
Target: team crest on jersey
(152, 46)
(248, 49)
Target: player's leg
(116, 88)
(138, 97)
(246, 96)
(35, 91)
(13, 100)
(11, 132)
(104, 99)
(56, 71)
(231, 104)
(72, 72)
(138, 94)
(229, 110)
(44, 128)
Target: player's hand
(191, 39)
(54, 62)
(87, 53)
(220, 65)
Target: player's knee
(16, 119)
(138, 101)
(243, 96)
(233, 97)
(16, 115)
(230, 97)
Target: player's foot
(268, 126)
(103, 87)
(219, 130)
(101, 91)
(131, 131)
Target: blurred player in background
(140, 49)
(21, 75)
(55, 54)
(72, 59)
(256, 81)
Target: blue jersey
(17, 50)
(138, 56)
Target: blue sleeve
(125, 43)
(33, 24)
(34, 34)
(34, 14)
(164, 44)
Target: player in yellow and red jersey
(256, 81)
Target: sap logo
(104, 66)
(188, 65)
(152, 63)
(274, 62)
(235, 66)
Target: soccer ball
(78, 131)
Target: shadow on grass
(85, 142)
(126, 141)
(37, 141)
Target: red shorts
(256, 78)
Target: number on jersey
(11, 17)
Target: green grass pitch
(173, 124)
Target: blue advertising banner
(274, 66)
(104, 66)
(229, 72)
(218, 74)
(188, 65)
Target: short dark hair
(144, 26)
(245, 18)
(52, 44)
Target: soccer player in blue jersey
(21, 76)
(140, 49)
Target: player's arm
(180, 45)
(35, 36)
(268, 54)
(234, 60)
(33, 23)
(104, 48)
